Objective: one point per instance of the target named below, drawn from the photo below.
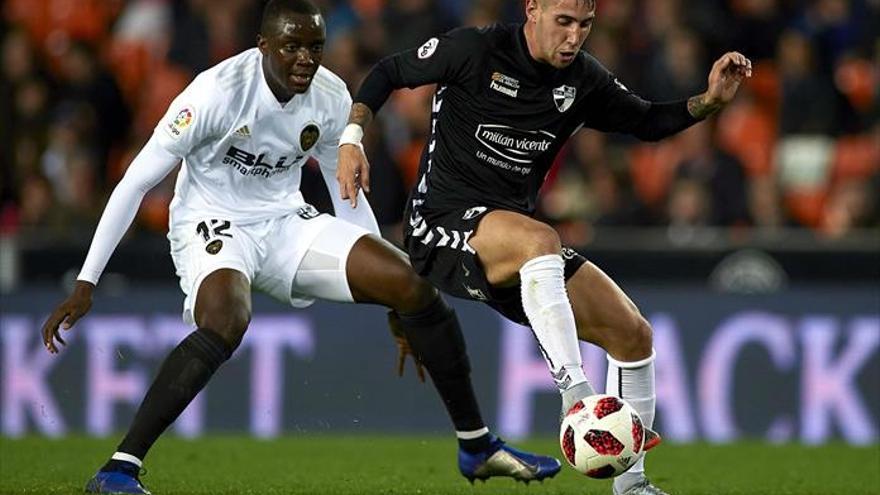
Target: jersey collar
(540, 70)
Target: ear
(262, 44)
(532, 7)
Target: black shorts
(440, 252)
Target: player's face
(292, 54)
(560, 28)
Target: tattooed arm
(727, 74)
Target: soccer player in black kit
(508, 97)
(341, 261)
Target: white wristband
(352, 134)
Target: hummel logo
(243, 131)
(561, 377)
(474, 212)
(504, 84)
(475, 293)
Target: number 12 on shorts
(211, 234)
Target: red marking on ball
(605, 471)
(603, 442)
(607, 406)
(638, 433)
(568, 445)
(576, 407)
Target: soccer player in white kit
(244, 129)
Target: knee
(542, 240)
(640, 339)
(630, 341)
(230, 323)
(413, 294)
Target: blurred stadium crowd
(85, 81)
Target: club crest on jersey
(183, 120)
(214, 246)
(563, 96)
(504, 84)
(428, 48)
(309, 136)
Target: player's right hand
(403, 348)
(352, 172)
(67, 313)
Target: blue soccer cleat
(116, 482)
(503, 460)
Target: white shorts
(295, 259)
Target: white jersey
(242, 150)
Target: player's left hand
(403, 348)
(727, 74)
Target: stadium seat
(805, 206)
(748, 133)
(803, 166)
(764, 84)
(408, 160)
(855, 157)
(87, 20)
(130, 62)
(652, 167)
(857, 79)
(165, 82)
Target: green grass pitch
(340, 465)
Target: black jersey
(499, 117)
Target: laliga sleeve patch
(180, 122)
(428, 48)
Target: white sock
(470, 435)
(633, 382)
(122, 456)
(546, 304)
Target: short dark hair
(590, 3)
(275, 8)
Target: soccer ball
(601, 436)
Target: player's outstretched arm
(148, 168)
(626, 112)
(353, 168)
(726, 75)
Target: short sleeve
(193, 117)
(443, 59)
(448, 58)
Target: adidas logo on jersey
(243, 132)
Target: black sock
(435, 337)
(126, 467)
(184, 374)
(474, 445)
